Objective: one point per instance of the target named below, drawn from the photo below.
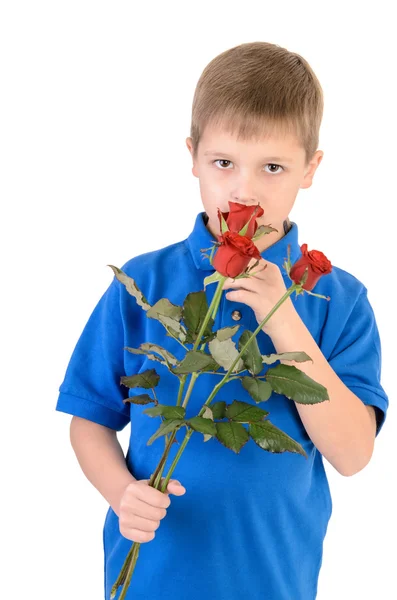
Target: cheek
(283, 196)
(210, 180)
(213, 194)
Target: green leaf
(243, 412)
(166, 427)
(140, 399)
(208, 414)
(195, 308)
(226, 332)
(173, 327)
(169, 412)
(131, 287)
(224, 225)
(268, 359)
(169, 316)
(258, 389)
(262, 229)
(196, 360)
(146, 348)
(214, 278)
(148, 379)
(218, 409)
(207, 338)
(305, 276)
(270, 438)
(296, 385)
(244, 229)
(202, 425)
(251, 356)
(232, 435)
(225, 353)
(165, 308)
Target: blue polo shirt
(250, 524)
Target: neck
(287, 225)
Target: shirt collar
(201, 238)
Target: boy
(251, 524)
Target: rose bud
(234, 254)
(317, 264)
(239, 215)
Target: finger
(139, 508)
(137, 535)
(152, 496)
(259, 269)
(175, 487)
(249, 284)
(145, 524)
(236, 283)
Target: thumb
(175, 487)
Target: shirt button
(236, 315)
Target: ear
(311, 169)
(190, 148)
(189, 144)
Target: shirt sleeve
(91, 387)
(357, 358)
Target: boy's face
(249, 172)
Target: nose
(244, 191)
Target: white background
(95, 108)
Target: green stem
(190, 388)
(123, 573)
(288, 293)
(225, 379)
(127, 569)
(156, 478)
(213, 308)
(126, 572)
(177, 457)
(153, 481)
(210, 312)
(181, 387)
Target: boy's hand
(142, 507)
(261, 291)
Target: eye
(221, 160)
(274, 165)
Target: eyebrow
(270, 158)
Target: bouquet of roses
(192, 324)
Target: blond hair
(256, 89)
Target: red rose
(239, 215)
(317, 263)
(234, 254)
(235, 250)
